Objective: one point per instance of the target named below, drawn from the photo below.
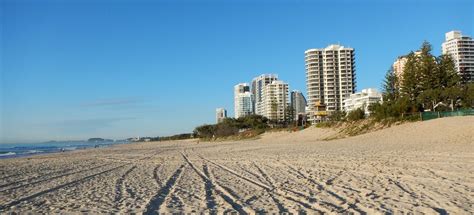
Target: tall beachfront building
(243, 100)
(258, 86)
(330, 77)
(221, 114)
(297, 102)
(461, 49)
(275, 100)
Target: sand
(421, 167)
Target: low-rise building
(362, 100)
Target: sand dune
(422, 167)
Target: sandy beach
(422, 167)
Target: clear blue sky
(116, 69)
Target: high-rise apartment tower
(243, 100)
(461, 49)
(330, 77)
(258, 86)
(275, 101)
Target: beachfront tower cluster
(267, 97)
(331, 83)
(461, 49)
(330, 77)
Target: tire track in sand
(52, 178)
(214, 188)
(30, 197)
(156, 201)
(281, 207)
(275, 190)
(343, 202)
(120, 188)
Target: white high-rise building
(258, 86)
(243, 100)
(244, 105)
(275, 100)
(221, 114)
(362, 100)
(330, 77)
(461, 49)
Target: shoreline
(30, 149)
(393, 170)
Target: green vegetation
(356, 115)
(173, 137)
(247, 126)
(428, 83)
(177, 137)
(244, 127)
(338, 118)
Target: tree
(290, 114)
(411, 87)
(337, 116)
(427, 68)
(274, 109)
(224, 130)
(390, 87)
(427, 82)
(205, 131)
(468, 95)
(356, 114)
(252, 122)
(442, 85)
(446, 75)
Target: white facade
(244, 104)
(221, 114)
(243, 100)
(258, 86)
(330, 77)
(362, 100)
(275, 100)
(461, 49)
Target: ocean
(28, 149)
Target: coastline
(8, 151)
(394, 170)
